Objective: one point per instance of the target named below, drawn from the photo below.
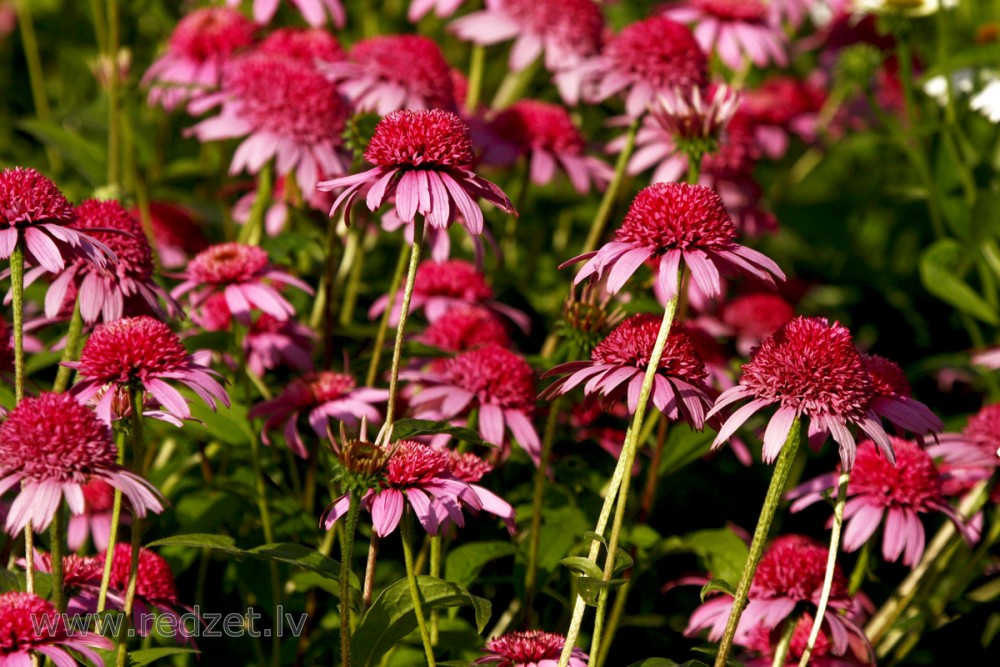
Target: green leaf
(590, 588)
(217, 542)
(85, 157)
(412, 428)
(721, 551)
(717, 585)
(683, 446)
(664, 662)
(43, 583)
(464, 563)
(147, 656)
(583, 566)
(227, 424)
(8, 582)
(391, 616)
(939, 278)
(300, 555)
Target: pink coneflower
(308, 45)
(893, 398)
(737, 30)
(493, 380)
(30, 625)
(618, 365)
(81, 579)
(52, 446)
(6, 347)
(142, 352)
(418, 475)
(531, 648)
(95, 520)
(464, 328)
(154, 587)
(754, 317)
(469, 468)
(243, 273)
(545, 133)
(648, 58)
(325, 396)
(972, 455)
(201, 45)
(670, 222)
(788, 579)
(175, 233)
(106, 293)
(423, 158)
(810, 368)
(761, 641)
(33, 209)
(442, 8)
(287, 111)
(392, 72)
(879, 490)
(315, 12)
(442, 286)
(780, 105)
(565, 31)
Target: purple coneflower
(972, 455)
(670, 222)
(142, 352)
(423, 158)
(753, 317)
(546, 135)
(242, 273)
(531, 648)
(414, 474)
(287, 111)
(763, 642)
(465, 327)
(325, 396)
(33, 209)
(618, 366)
(154, 587)
(315, 12)
(896, 493)
(199, 49)
(789, 578)
(308, 45)
(468, 467)
(392, 72)
(106, 293)
(95, 520)
(738, 30)
(894, 401)
(52, 446)
(30, 625)
(493, 380)
(177, 236)
(810, 368)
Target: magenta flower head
(201, 45)
(973, 454)
(531, 648)
(493, 380)
(413, 474)
(243, 273)
(325, 396)
(809, 368)
(154, 587)
(52, 446)
(95, 520)
(893, 398)
(30, 626)
(565, 31)
(392, 72)
(789, 580)
(618, 366)
(546, 135)
(647, 59)
(754, 317)
(899, 494)
(468, 467)
(670, 222)
(423, 158)
(106, 293)
(142, 353)
(33, 210)
(308, 45)
(465, 327)
(738, 30)
(763, 642)
(315, 12)
(286, 111)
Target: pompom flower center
(577, 23)
(306, 45)
(415, 464)
(813, 367)
(328, 386)
(983, 428)
(52, 437)
(463, 328)
(887, 377)
(914, 481)
(228, 263)
(427, 139)
(538, 125)
(27, 197)
(757, 315)
(155, 580)
(128, 243)
(669, 216)
(660, 52)
(19, 614)
(212, 32)
(495, 375)
(794, 567)
(467, 467)
(527, 648)
(734, 10)
(631, 344)
(455, 278)
(413, 61)
(130, 349)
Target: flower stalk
(397, 350)
(411, 578)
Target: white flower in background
(963, 81)
(987, 101)
(908, 7)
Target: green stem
(57, 535)
(514, 85)
(354, 259)
(781, 651)
(346, 558)
(694, 168)
(831, 564)
(397, 349)
(619, 486)
(435, 572)
(771, 500)
(653, 476)
(369, 583)
(36, 77)
(114, 102)
(17, 289)
(611, 194)
(411, 578)
(71, 350)
(476, 64)
(541, 475)
(614, 620)
(137, 442)
(253, 229)
(116, 513)
(383, 325)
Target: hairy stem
(404, 311)
(411, 578)
(383, 325)
(71, 350)
(346, 558)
